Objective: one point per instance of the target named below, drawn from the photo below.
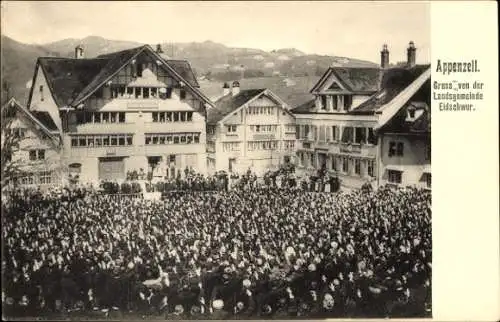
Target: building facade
(404, 136)
(336, 129)
(30, 147)
(132, 110)
(331, 136)
(250, 129)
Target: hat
(311, 267)
(266, 309)
(179, 309)
(246, 283)
(218, 304)
(240, 305)
(195, 309)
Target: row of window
(101, 140)
(339, 163)
(164, 117)
(335, 102)
(264, 128)
(262, 145)
(43, 177)
(231, 146)
(100, 117)
(121, 91)
(17, 132)
(324, 133)
(37, 154)
(170, 138)
(265, 110)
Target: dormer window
(140, 68)
(323, 102)
(411, 113)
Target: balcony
(264, 137)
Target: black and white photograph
(216, 160)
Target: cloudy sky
(355, 29)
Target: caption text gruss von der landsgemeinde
(457, 95)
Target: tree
(11, 167)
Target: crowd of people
(253, 253)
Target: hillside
(212, 62)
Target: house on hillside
(249, 129)
(335, 130)
(122, 112)
(30, 147)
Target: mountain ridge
(211, 61)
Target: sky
(354, 29)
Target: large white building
(123, 111)
(249, 129)
(336, 129)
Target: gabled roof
(394, 112)
(48, 128)
(67, 78)
(229, 103)
(358, 80)
(73, 80)
(394, 81)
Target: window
(155, 139)
(74, 141)
(130, 91)
(82, 141)
(45, 177)
(360, 135)
(105, 117)
(19, 133)
(98, 141)
(345, 165)
(114, 141)
(32, 155)
(357, 166)
(90, 141)
(323, 102)
(371, 136)
(169, 92)
(392, 148)
(113, 117)
(121, 117)
(147, 139)
(183, 94)
(334, 162)
(196, 138)
(411, 112)
(370, 167)
(41, 93)
(169, 139)
(347, 135)
(129, 139)
(168, 117)
(145, 92)
(121, 141)
(183, 116)
(80, 117)
(189, 116)
(347, 102)
(97, 117)
(105, 141)
(154, 92)
(137, 92)
(231, 128)
(394, 176)
(334, 133)
(176, 139)
(183, 139)
(36, 155)
(399, 149)
(334, 102)
(176, 116)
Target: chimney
(411, 54)
(236, 88)
(79, 52)
(225, 89)
(158, 49)
(384, 57)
